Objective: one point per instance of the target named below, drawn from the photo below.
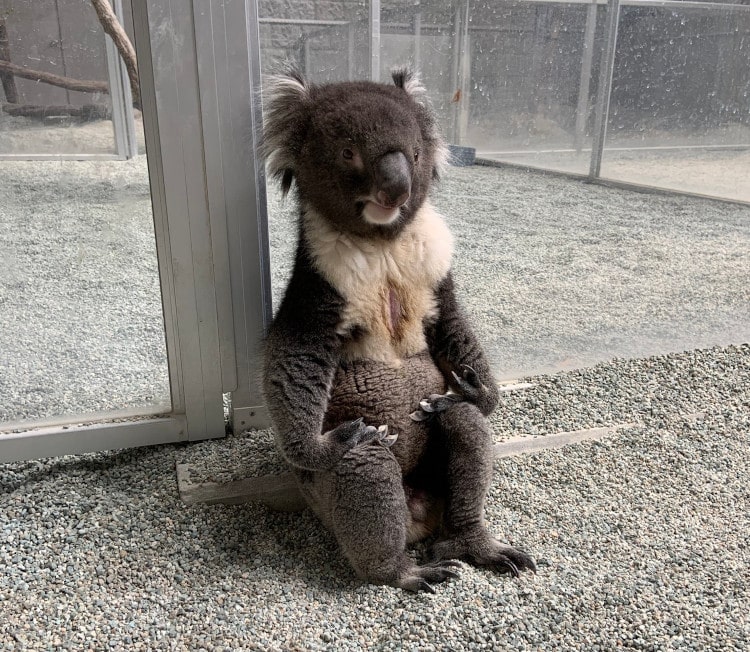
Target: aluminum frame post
(375, 40)
(123, 118)
(605, 88)
(589, 41)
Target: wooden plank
(278, 492)
(527, 444)
(512, 387)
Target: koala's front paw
(471, 388)
(354, 433)
(468, 383)
(466, 387)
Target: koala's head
(362, 154)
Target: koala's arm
(302, 354)
(457, 352)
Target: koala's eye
(347, 154)
(416, 156)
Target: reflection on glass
(680, 94)
(58, 100)
(328, 43)
(557, 274)
(81, 328)
(532, 91)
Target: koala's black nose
(392, 180)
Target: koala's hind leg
(467, 441)
(362, 501)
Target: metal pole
(417, 40)
(375, 40)
(582, 112)
(305, 51)
(123, 119)
(605, 88)
(464, 76)
(350, 50)
(9, 81)
(456, 74)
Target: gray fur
(377, 387)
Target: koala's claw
(428, 407)
(385, 439)
(423, 577)
(507, 566)
(468, 382)
(353, 433)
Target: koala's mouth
(380, 215)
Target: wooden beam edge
(525, 444)
(280, 492)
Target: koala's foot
(421, 578)
(481, 548)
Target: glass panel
(679, 109)
(557, 274)
(422, 36)
(326, 43)
(81, 327)
(56, 48)
(533, 76)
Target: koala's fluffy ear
(286, 97)
(407, 79)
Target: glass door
(133, 291)
(81, 326)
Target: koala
(377, 387)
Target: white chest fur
(388, 286)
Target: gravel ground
(642, 539)
(716, 173)
(81, 326)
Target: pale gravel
(642, 539)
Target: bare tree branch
(85, 112)
(71, 84)
(9, 82)
(112, 26)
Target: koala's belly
(382, 394)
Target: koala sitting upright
(377, 387)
